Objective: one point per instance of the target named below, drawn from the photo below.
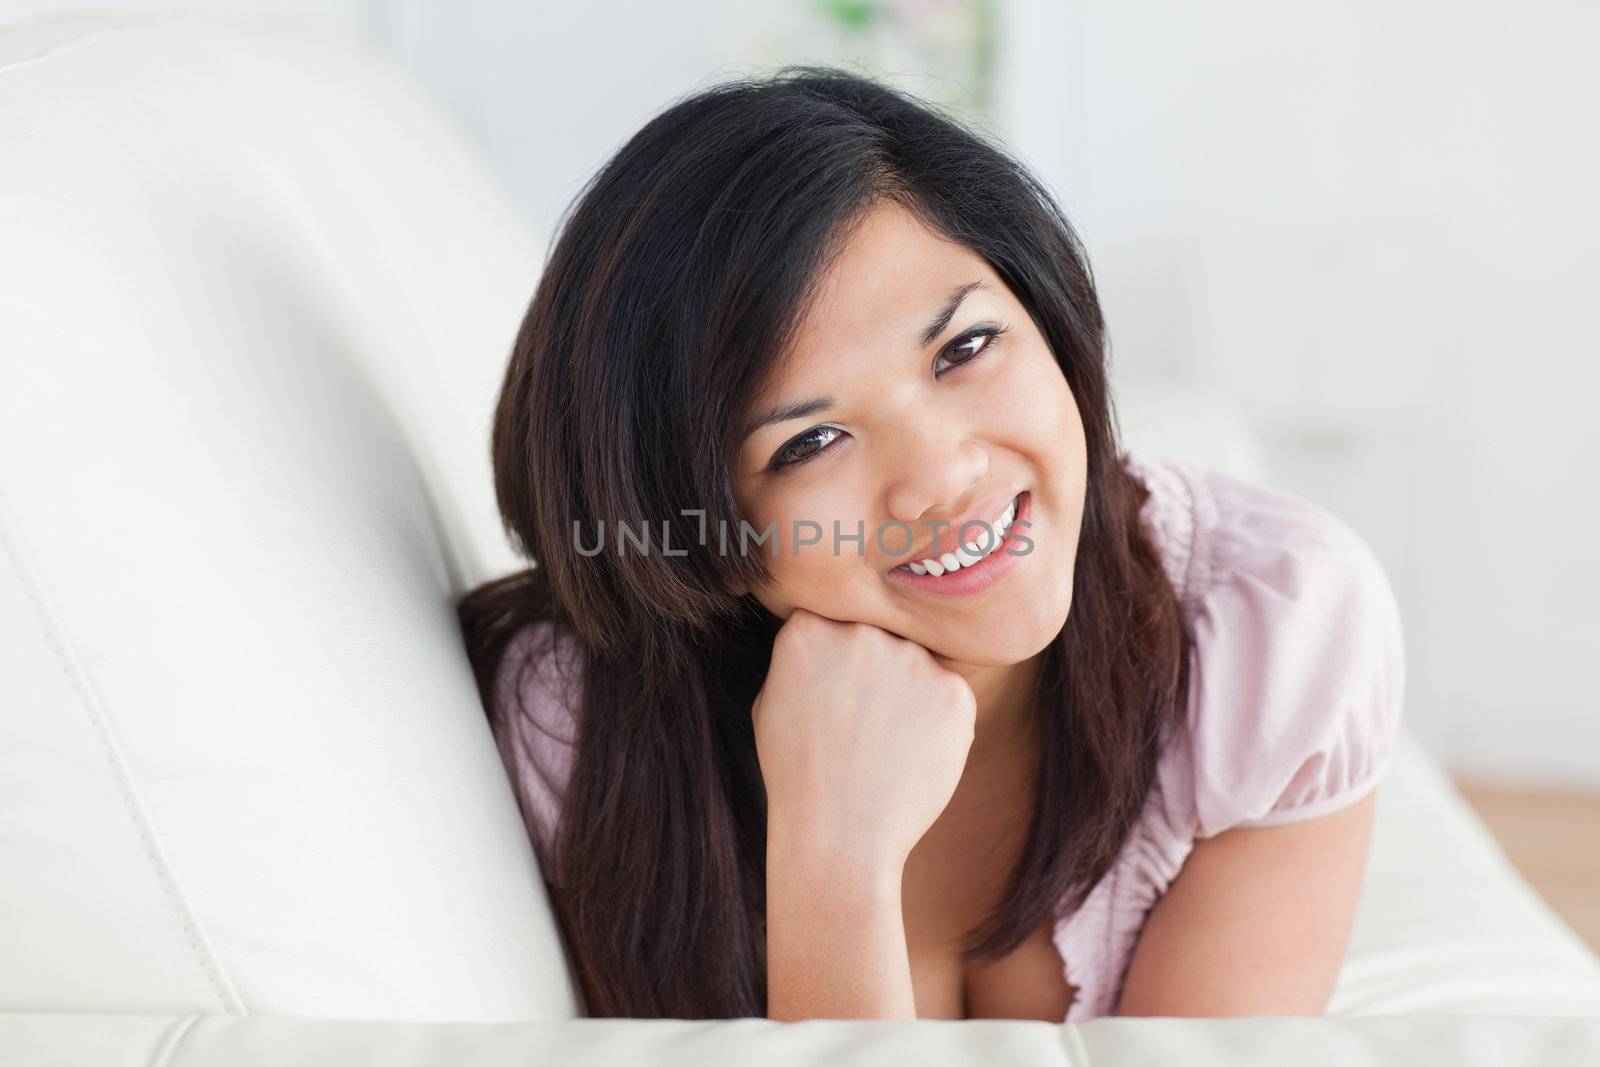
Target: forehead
(889, 274)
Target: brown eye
(792, 453)
(972, 345)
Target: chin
(999, 659)
(1017, 644)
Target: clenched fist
(862, 738)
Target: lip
(981, 575)
(933, 550)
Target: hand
(862, 737)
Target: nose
(935, 475)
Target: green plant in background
(942, 49)
(854, 14)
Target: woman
(990, 718)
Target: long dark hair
(678, 276)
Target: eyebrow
(946, 313)
(817, 405)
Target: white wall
(1371, 224)
(1375, 225)
(550, 90)
(344, 19)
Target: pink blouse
(1295, 693)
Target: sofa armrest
(126, 1040)
(111, 1040)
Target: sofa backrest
(255, 299)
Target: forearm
(836, 942)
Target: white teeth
(985, 544)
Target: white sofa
(255, 299)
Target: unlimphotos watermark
(804, 533)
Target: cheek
(1039, 405)
(792, 513)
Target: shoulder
(538, 691)
(540, 674)
(1298, 666)
(1176, 516)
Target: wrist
(797, 855)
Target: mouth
(978, 563)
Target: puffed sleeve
(537, 688)
(1298, 671)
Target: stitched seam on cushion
(11, 545)
(58, 49)
(169, 1047)
(1072, 1040)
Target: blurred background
(1370, 228)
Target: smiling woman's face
(918, 429)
